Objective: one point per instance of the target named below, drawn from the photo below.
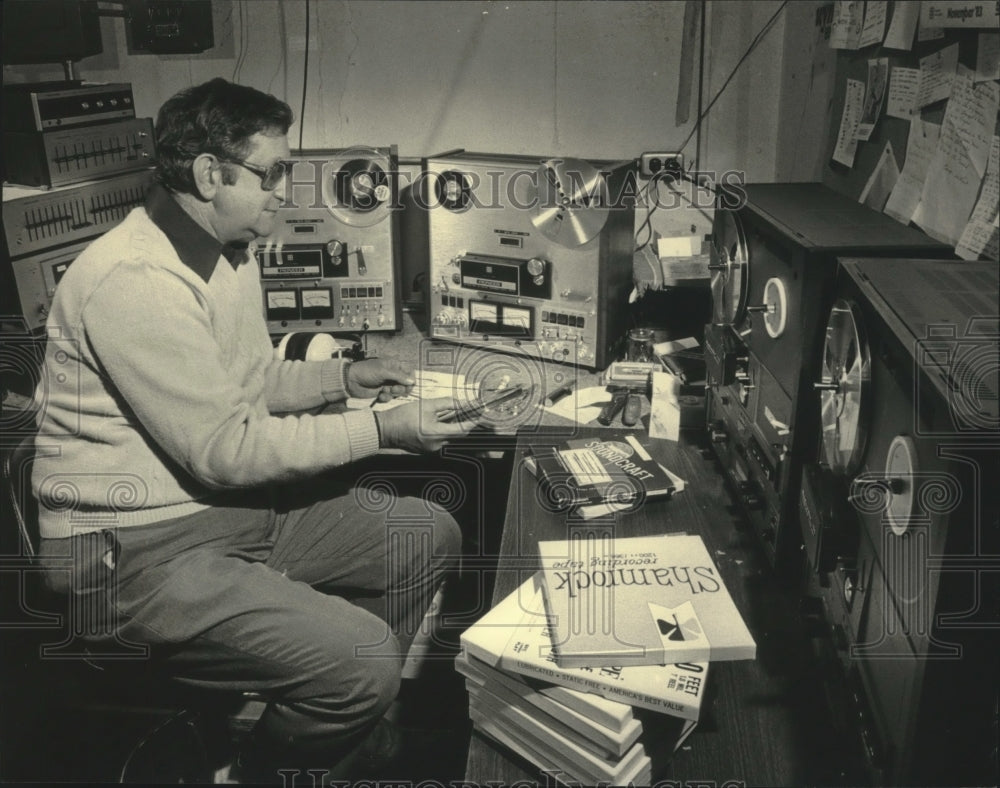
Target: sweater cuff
(362, 433)
(333, 379)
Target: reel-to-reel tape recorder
(331, 262)
(774, 250)
(531, 256)
(900, 512)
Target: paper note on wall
(878, 78)
(982, 233)
(988, 57)
(903, 25)
(937, 72)
(959, 164)
(874, 25)
(847, 142)
(882, 181)
(904, 86)
(920, 147)
(845, 30)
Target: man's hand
(374, 376)
(416, 427)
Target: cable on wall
(305, 79)
(753, 45)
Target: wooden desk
(764, 721)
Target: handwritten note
(959, 164)
(847, 142)
(874, 25)
(904, 86)
(982, 233)
(937, 71)
(903, 25)
(920, 147)
(845, 30)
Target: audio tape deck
(774, 250)
(331, 263)
(901, 511)
(531, 256)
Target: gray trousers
(310, 598)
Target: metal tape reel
(845, 388)
(730, 269)
(571, 201)
(357, 189)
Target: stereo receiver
(45, 231)
(531, 256)
(901, 511)
(774, 250)
(331, 263)
(71, 155)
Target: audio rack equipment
(331, 263)
(39, 106)
(71, 155)
(901, 512)
(531, 256)
(45, 231)
(774, 250)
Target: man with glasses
(196, 485)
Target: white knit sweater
(159, 389)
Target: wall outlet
(659, 164)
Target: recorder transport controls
(531, 256)
(774, 255)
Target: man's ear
(207, 175)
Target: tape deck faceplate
(331, 262)
(901, 513)
(774, 250)
(530, 256)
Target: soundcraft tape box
(331, 263)
(901, 512)
(773, 258)
(530, 255)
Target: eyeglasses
(270, 177)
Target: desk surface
(764, 721)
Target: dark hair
(215, 117)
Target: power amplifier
(40, 106)
(774, 256)
(44, 232)
(531, 256)
(63, 156)
(331, 263)
(901, 512)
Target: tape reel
(571, 201)
(357, 189)
(306, 346)
(729, 262)
(845, 389)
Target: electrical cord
(753, 45)
(305, 78)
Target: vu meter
(331, 263)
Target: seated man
(178, 451)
